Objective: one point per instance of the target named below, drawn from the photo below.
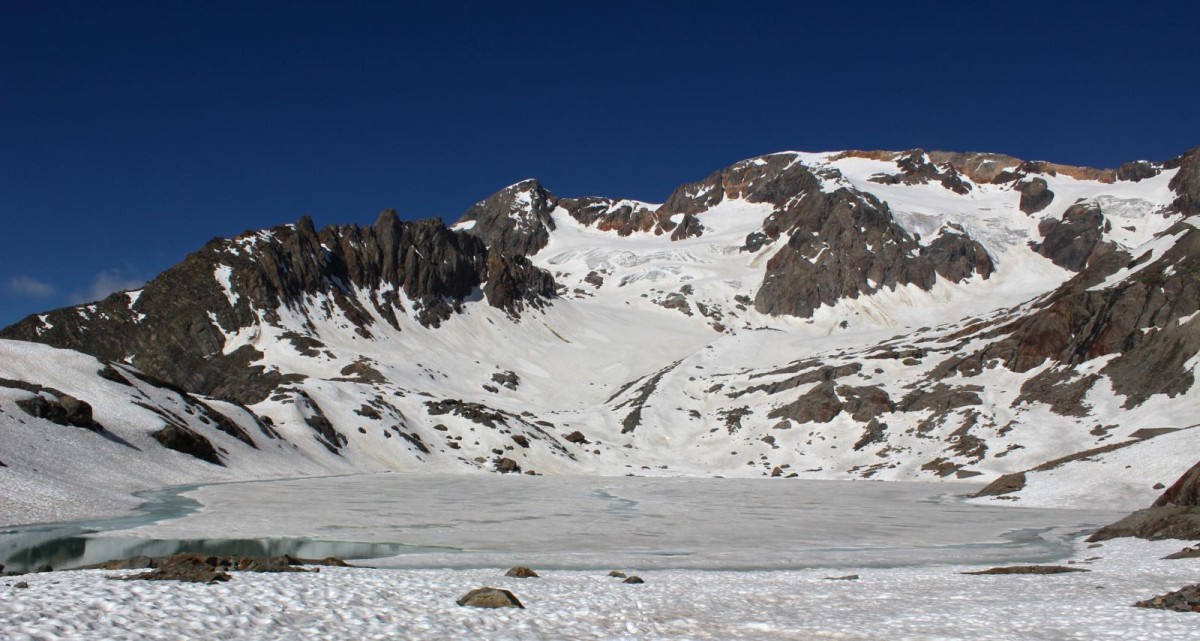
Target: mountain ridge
(1042, 310)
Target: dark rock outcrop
(507, 379)
(521, 572)
(1190, 552)
(1138, 171)
(1185, 599)
(1186, 183)
(622, 216)
(865, 403)
(916, 168)
(1030, 569)
(1006, 484)
(64, 410)
(187, 567)
(514, 283)
(1185, 491)
(978, 166)
(846, 243)
(505, 465)
(1071, 242)
(184, 440)
(191, 567)
(1174, 515)
(323, 430)
(818, 405)
(1035, 195)
(688, 227)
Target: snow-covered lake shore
(918, 603)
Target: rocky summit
(886, 315)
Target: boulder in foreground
(486, 597)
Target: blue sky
(132, 132)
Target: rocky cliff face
(176, 328)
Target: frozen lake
(722, 559)
(454, 521)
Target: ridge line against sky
(135, 131)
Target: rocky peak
(514, 221)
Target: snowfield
(917, 604)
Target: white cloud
(28, 286)
(107, 282)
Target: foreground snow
(904, 603)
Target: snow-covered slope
(883, 315)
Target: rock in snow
(486, 597)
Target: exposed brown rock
(1186, 183)
(1006, 484)
(1138, 170)
(917, 169)
(187, 567)
(487, 597)
(505, 465)
(846, 243)
(1174, 515)
(1035, 195)
(1071, 242)
(1185, 553)
(819, 405)
(1185, 599)
(184, 440)
(63, 410)
(622, 216)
